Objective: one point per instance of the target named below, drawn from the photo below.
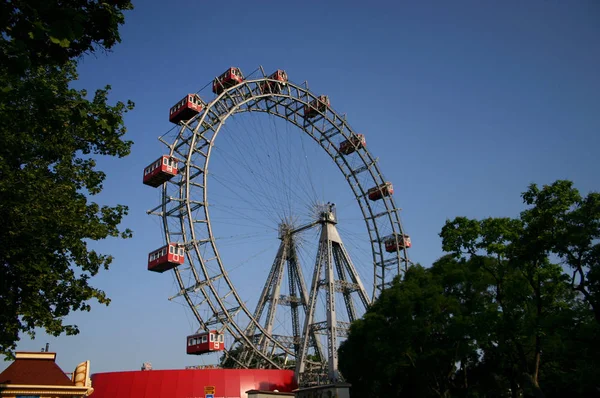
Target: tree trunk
(595, 306)
(538, 339)
(581, 287)
(532, 383)
(514, 387)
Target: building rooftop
(35, 368)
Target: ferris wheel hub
(327, 213)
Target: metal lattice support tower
(333, 273)
(271, 298)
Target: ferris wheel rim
(237, 106)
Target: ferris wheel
(306, 284)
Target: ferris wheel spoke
(271, 186)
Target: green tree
(516, 291)
(49, 137)
(566, 224)
(533, 296)
(571, 365)
(417, 336)
(231, 359)
(496, 317)
(41, 33)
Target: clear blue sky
(464, 102)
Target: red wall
(189, 383)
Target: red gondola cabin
(166, 258)
(275, 87)
(397, 242)
(204, 342)
(317, 105)
(186, 109)
(231, 77)
(351, 145)
(161, 170)
(379, 192)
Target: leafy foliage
(233, 358)
(49, 135)
(425, 326)
(39, 33)
(568, 225)
(496, 316)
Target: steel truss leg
(270, 298)
(332, 258)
